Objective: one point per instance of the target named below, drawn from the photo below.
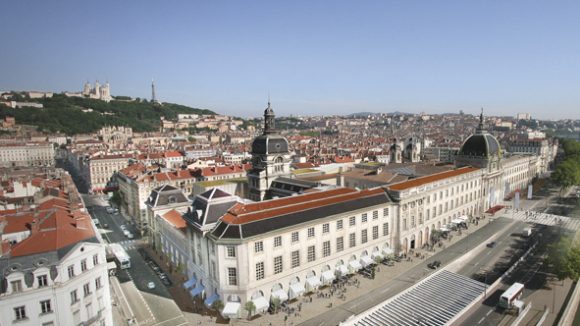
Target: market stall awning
(376, 254)
(211, 299)
(388, 251)
(312, 283)
(296, 290)
(354, 265)
(366, 261)
(231, 309)
(342, 269)
(261, 304)
(197, 290)
(444, 229)
(191, 282)
(280, 294)
(327, 277)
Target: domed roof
(269, 144)
(480, 145)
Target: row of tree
(567, 173)
(564, 255)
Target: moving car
(434, 264)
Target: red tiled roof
(244, 213)
(173, 154)
(54, 231)
(431, 178)
(176, 175)
(343, 159)
(174, 218)
(219, 170)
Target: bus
(121, 257)
(511, 295)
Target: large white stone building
(275, 250)
(99, 169)
(53, 268)
(27, 154)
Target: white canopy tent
(376, 254)
(388, 251)
(366, 261)
(327, 277)
(444, 229)
(280, 294)
(261, 304)
(312, 283)
(296, 290)
(342, 269)
(355, 265)
(231, 310)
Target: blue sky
(312, 57)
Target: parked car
(96, 221)
(166, 281)
(109, 210)
(434, 264)
(123, 227)
(150, 285)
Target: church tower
(270, 158)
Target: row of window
(46, 305)
(74, 298)
(295, 237)
(84, 267)
(326, 250)
(42, 280)
(20, 311)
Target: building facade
(27, 154)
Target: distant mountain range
(75, 115)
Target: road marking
(481, 320)
(174, 318)
(386, 289)
(489, 312)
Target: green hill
(70, 115)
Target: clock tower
(270, 158)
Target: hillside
(71, 115)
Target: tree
(564, 257)
(567, 174)
(217, 305)
(250, 308)
(276, 304)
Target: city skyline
(312, 58)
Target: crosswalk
(128, 244)
(570, 223)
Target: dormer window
(16, 286)
(172, 199)
(42, 281)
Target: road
(533, 273)
(340, 313)
(149, 306)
